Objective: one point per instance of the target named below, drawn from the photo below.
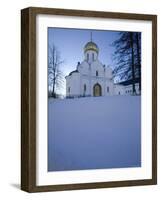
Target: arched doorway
(97, 91)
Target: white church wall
(119, 90)
(97, 66)
(75, 91)
(68, 83)
(90, 56)
(73, 85)
(83, 68)
(109, 88)
(129, 89)
(85, 82)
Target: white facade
(92, 78)
(128, 89)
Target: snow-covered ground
(94, 132)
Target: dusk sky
(70, 43)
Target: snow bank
(94, 132)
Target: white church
(92, 78)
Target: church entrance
(97, 91)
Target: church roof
(129, 82)
(91, 46)
(73, 72)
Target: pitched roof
(129, 82)
(73, 72)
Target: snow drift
(94, 133)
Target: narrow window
(68, 89)
(85, 87)
(107, 89)
(96, 73)
(84, 90)
(87, 56)
(93, 56)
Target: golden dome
(91, 46)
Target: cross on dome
(91, 45)
(91, 36)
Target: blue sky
(70, 44)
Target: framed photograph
(88, 99)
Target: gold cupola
(91, 46)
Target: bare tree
(55, 75)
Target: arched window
(108, 89)
(84, 90)
(87, 56)
(96, 73)
(93, 56)
(85, 87)
(68, 89)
